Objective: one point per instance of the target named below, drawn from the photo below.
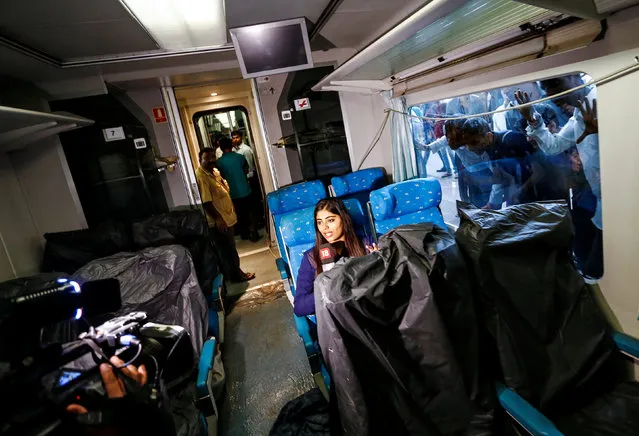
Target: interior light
(78, 313)
(214, 94)
(181, 24)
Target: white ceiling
(356, 22)
(68, 29)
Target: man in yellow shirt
(220, 215)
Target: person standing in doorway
(234, 169)
(240, 146)
(220, 215)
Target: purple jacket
(304, 303)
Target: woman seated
(332, 224)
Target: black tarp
(551, 341)
(306, 415)
(185, 227)
(68, 251)
(387, 346)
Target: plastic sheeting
(188, 228)
(386, 344)
(307, 415)
(68, 251)
(550, 338)
(159, 281)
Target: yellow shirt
(214, 189)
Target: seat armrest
(205, 366)
(627, 344)
(304, 330)
(218, 282)
(282, 267)
(524, 413)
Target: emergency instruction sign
(302, 104)
(159, 114)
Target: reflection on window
(549, 152)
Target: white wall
(269, 96)
(38, 194)
(19, 237)
(162, 141)
(363, 117)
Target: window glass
(514, 157)
(212, 124)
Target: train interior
(484, 146)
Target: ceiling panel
(609, 6)
(247, 12)
(475, 20)
(357, 21)
(68, 29)
(221, 89)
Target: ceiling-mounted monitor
(272, 48)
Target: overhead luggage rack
(20, 127)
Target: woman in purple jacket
(332, 224)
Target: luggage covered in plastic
(184, 227)
(159, 281)
(551, 342)
(68, 251)
(388, 346)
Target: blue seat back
(359, 184)
(359, 181)
(360, 219)
(290, 199)
(409, 202)
(298, 235)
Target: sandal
(247, 276)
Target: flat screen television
(272, 48)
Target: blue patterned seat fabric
(358, 181)
(298, 234)
(409, 202)
(292, 198)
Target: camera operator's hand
(113, 385)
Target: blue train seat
(409, 202)
(292, 198)
(358, 184)
(298, 235)
(205, 400)
(216, 309)
(533, 421)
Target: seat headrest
(405, 197)
(358, 181)
(356, 212)
(295, 197)
(297, 227)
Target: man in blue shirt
(234, 169)
(512, 159)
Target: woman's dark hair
(352, 244)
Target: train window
(548, 152)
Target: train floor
(264, 359)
